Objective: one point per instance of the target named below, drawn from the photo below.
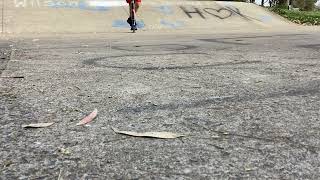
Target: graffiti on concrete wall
(221, 13)
(265, 18)
(84, 5)
(73, 4)
(193, 11)
(164, 9)
(27, 3)
(171, 24)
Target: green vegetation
(299, 17)
(304, 5)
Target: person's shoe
(134, 28)
(129, 21)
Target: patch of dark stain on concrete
(266, 36)
(250, 37)
(313, 58)
(64, 47)
(311, 46)
(223, 42)
(309, 88)
(306, 65)
(155, 47)
(174, 106)
(181, 67)
(240, 38)
(301, 91)
(288, 140)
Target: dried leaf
(64, 151)
(7, 163)
(37, 125)
(249, 169)
(88, 118)
(161, 135)
(215, 137)
(79, 52)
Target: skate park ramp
(99, 16)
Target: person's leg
(130, 9)
(137, 6)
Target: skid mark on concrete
(159, 68)
(150, 67)
(311, 46)
(159, 47)
(224, 42)
(238, 38)
(308, 88)
(93, 61)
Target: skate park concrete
(247, 103)
(96, 16)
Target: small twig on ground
(15, 77)
(60, 176)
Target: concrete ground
(248, 103)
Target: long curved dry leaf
(37, 125)
(88, 118)
(160, 135)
